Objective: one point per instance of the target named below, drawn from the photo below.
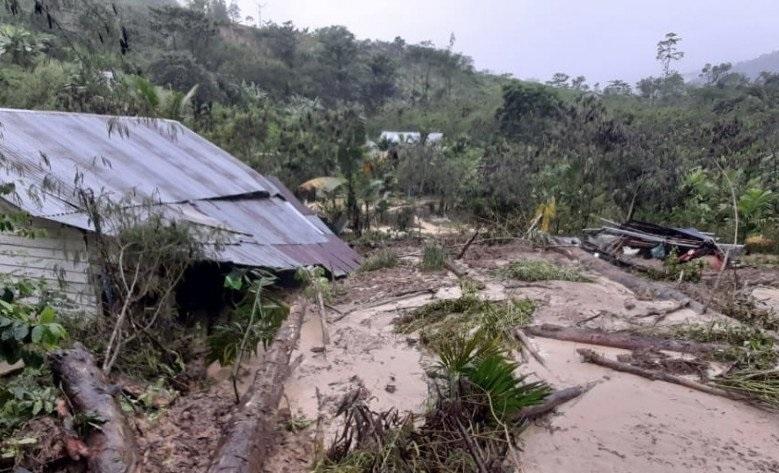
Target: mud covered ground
(623, 424)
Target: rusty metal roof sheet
(48, 155)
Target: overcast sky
(600, 39)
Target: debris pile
(649, 240)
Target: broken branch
(554, 400)
(623, 340)
(590, 356)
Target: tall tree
(668, 51)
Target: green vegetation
(302, 104)
(433, 257)
(380, 260)
(675, 270)
(255, 321)
(539, 270)
(479, 397)
(28, 330)
(438, 321)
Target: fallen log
(555, 399)
(460, 273)
(634, 283)
(623, 340)
(249, 434)
(590, 356)
(112, 446)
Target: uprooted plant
(433, 257)
(382, 259)
(470, 427)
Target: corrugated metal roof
(49, 154)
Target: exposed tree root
(112, 446)
(249, 435)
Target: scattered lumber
(590, 356)
(623, 340)
(249, 434)
(555, 399)
(112, 447)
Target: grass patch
(433, 257)
(380, 260)
(441, 320)
(532, 270)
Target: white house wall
(59, 257)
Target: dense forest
(302, 103)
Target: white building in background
(409, 137)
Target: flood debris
(591, 356)
(623, 340)
(653, 241)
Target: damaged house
(48, 156)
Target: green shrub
(380, 260)
(507, 393)
(433, 257)
(404, 219)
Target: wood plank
(9, 249)
(47, 242)
(45, 273)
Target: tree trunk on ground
(555, 399)
(249, 435)
(590, 356)
(623, 340)
(635, 283)
(112, 447)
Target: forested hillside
(302, 104)
(754, 67)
